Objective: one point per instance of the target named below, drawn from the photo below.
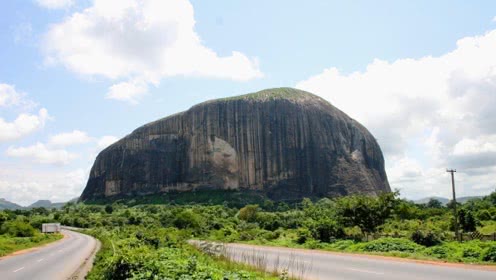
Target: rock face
(284, 143)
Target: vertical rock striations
(285, 143)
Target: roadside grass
(10, 244)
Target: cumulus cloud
(145, 41)
(40, 153)
(427, 114)
(55, 185)
(127, 91)
(106, 141)
(55, 4)
(23, 125)
(10, 97)
(69, 138)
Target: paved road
(54, 261)
(311, 264)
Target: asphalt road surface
(312, 264)
(54, 261)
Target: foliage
(142, 241)
(124, 256)
(489, 254)
(187, 219)
(467, 220)
(248, 213)
(367, 213)
(389, 245)
(17, 229)
(426, 238)
(434, 203)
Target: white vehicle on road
(50, 228)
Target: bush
(248, 213)
(425, 238)
(325, 230)
(390, 245)
(489, 254)
(313, 244)
(186, 219)
(342, 245)
(440, 252)
(354, 233)
(271, 235)
(18, 229)
(303, 234)
(471, 253)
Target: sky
(77, 75)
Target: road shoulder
(86, 266)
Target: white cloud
(494, 19)
(129, 41)
(106, 141)
(42, 154)
(10, 97)
(427, 114)
(127, 91)
(69, 138)
(23, 125)
(55, 185)
(55, 4)
(476, 146)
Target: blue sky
(399, 67)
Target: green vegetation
(143, 241)
(138, 252)
(20, 230)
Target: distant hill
(46, 204)
(445, 201)
(5, 204)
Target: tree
(467, 221)
(248, 213)
(366, 212)
(187, 219)
(434, 203)
(3, 217)
(325, 229)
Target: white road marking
(39, 260)
(364, 271)
(18, 269)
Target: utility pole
(452, 171)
